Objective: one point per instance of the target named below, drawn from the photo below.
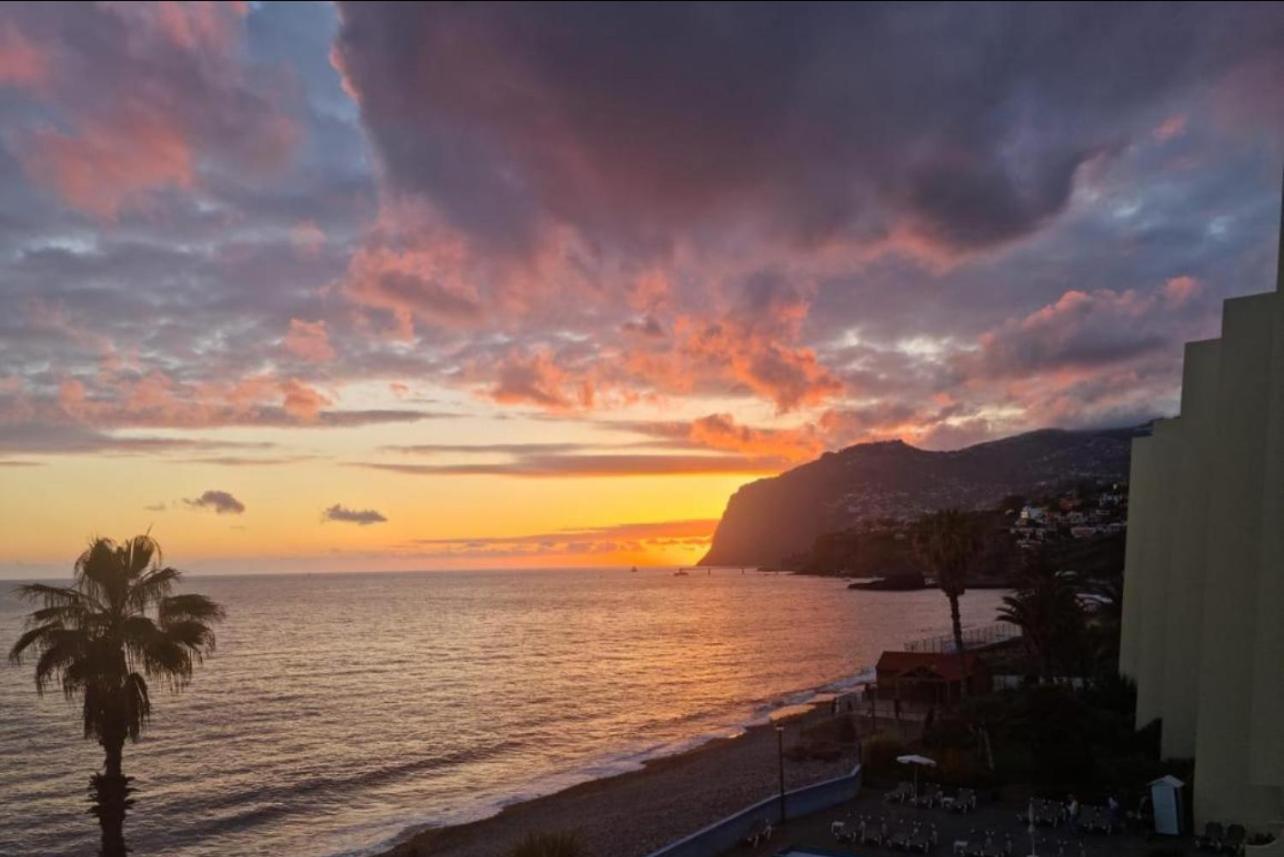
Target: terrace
(994, 828)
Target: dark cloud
(516, 449)
(249, 461)
(220, 502)
(67, 438)
(963, 124)
(556, 465)
(360, 517)
(941, 222)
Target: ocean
(341, 709)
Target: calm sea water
(340, 709)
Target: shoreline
(633, 813)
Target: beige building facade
(1203, 632)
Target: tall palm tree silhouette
(101, 638)
(1047, 607)
(949, 542)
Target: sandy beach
(632, 814)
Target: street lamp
(780, 755)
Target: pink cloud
(23, 63)
(108, 162)
(1181, 290)
(157, 400)
(301, 401)
(199, 25)
(723, 433)
(307, 238)
(1173, 126)
(145, 107)
(536, 379)
(1080, 330)
(308, 340)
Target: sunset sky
(315, 287)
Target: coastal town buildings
(1073, 517)
(1203, 629)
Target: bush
(880, 754)
(949, 733)
(957, 768)
(549, 845)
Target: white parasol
(917, 762)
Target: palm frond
(189, 608)
(34, 637)
(60, 649)
(57, 596)
(152, 587)
(197, 637)
(168, 652)
(139, 554)
(98, 573)
(138, 705)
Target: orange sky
(293, 299)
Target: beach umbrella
(917, 762)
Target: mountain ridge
(768, 520)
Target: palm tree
(1047, 609)
(949, 543)
(101, 638)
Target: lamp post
(780, 756)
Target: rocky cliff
(769, 520)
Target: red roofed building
(930, 677)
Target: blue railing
(731, 831)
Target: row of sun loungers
(1096, 819)
(932, 795)
(1051, 813)
(995, 843)
(1222, 840)
(988, 844)
(898, 835)
(1044, 813)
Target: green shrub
(549, 845)
(880, 754)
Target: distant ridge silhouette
(770, 519)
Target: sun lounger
(904, 791)
(923, 840)
(930, 796)
(964, 801)
(1047, 813)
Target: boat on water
(634, 570)
(682, 572)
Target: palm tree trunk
(957, 623)
(110, 791)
